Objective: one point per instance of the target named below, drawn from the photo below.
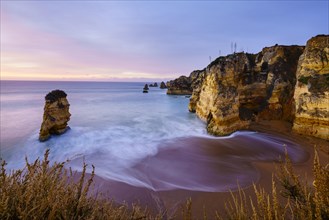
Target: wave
(160, 158)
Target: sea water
(115, 119)
(115, 126)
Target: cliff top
(55, 95)
(318, 40)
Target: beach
(166, 162)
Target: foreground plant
(295, 200)
(41, 191)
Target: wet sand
(206, 169)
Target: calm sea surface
(117, 128)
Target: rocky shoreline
(287, 83)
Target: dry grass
(41, 191)
(295, 200)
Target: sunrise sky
(143, 40)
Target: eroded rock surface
(312, 89)
(56, 115)
(180, 86)
(239, 88)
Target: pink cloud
(52, 53)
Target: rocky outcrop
(180, 86)
(146, 88)
(241, 88)
(186, 85)
(312, 89)
(163, 85)
(154, 85)
(56, 115)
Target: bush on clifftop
(55, 95)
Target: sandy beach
(206, 169)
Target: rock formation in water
(56, 115)
(312, 89)
(146, 88)
(237, 89)
(180, 86)
(163, 85)
(154, 85)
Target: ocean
(115, 127)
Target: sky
(143, 40)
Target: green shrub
(304, 79)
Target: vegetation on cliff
(55, 95)
(44, 191)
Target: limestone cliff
(240, 88)
(312, 89)
(197, 78)
(56, 115)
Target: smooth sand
(196, 165)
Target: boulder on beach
(56, 115)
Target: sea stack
(154, 85)
(163, 85)
(56, 115)
(146, 88)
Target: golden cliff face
(56, 115)
(239, 88)
(312, 89)
(218, 99)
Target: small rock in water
(154, 85)
(146, 88)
